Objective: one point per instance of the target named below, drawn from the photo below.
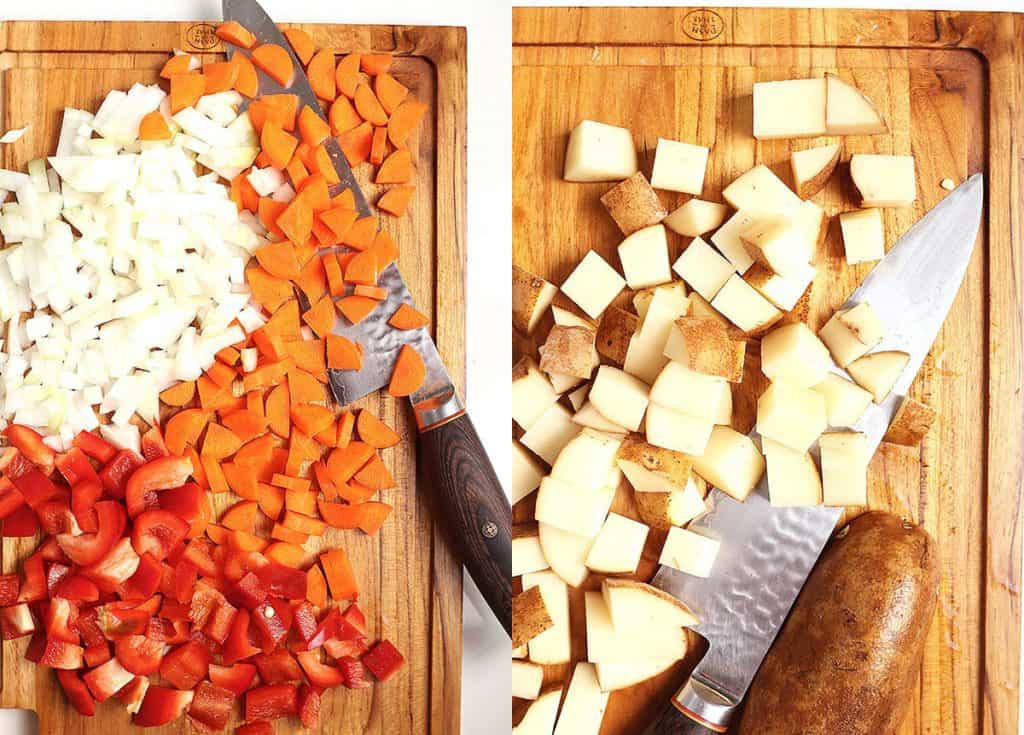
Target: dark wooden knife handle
(671, 721)
(474, 508)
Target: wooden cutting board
(950, 86)
(411, 586)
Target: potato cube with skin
(761, 193)
(527, 677)
(689, 392)
(667, 303)
(532, 393)
(812, 168)
(527, 555)
(699, 306)
(848, 111)
(884, 181)
(587, 459)
(701, 344)
(578, 510)
(777, 244)
(644, 256)
(679, 166)
(727, 240)
(619, 396)
(792, 416)
(662, 510)
(689, 552)
(696, 217)
(531, 295)
(633, 604)
(912, 421)
(615, 676)
(863, 235)
(530, 617)
(579, 396)
(703, 268)
(676, 430)
(566, 553)
(541, 715)
(553, 646)
(634, 204)
(794, 108)
(794, 354)
(550, 433)
(600, 152)
(618, 546)
(629, 641)
(614, 332)
(793, 478)
(593, 284)
(731, 462)
(845, 401)
(844, 467)
(562, 382)
(526, 473)
(746, 308)
(878, 372)
(566, 317)
(569, 351)
(649, 468)
(783, 292)
(584, 705)
(813, 224)
(590, 417)
(850, 333)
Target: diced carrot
(379, 146)
(342, 353)
(270, 346)
(311, 419)
(369, 107)
(312, 280)
(221, 374)
(361, 234)
(234, 32)
(217, 534)
(321, 74)
(177, 64)
(262, 161)
(356, 143)
(328, 436)
(296, 221)
(316, 586)
(254, 405)
(283, 533)
(339, 515)
(308, 356)
(300, 501)
(241, 478)
(228, 356)
(375, 474)
(338, 572)
(373, 516)
(404, 120)
(277, 144)
(396, 169)
(270, 291)
(353, 492)
(374, 64)
(278, 411)
(179, 394)
(214, 473)
(245, 424)
(245, 541)
(183, 429)
(303, 522)
(356, 308)
(301, 43)
(339, 219)
(346, 75)
(324, 235)
(292, 483)
(316, 193)
(275, 62)
(335, 279)
(277, 107)
(220, 76)
(375, 432)
(342, 116)
(304, 388)
(406, 317)
(298, 453)
(198, 473)
(296, 171)
(265, 377)
(377, 293)
(346, 198)
(271, 500)
(321, 317)
(304, 151)
(386, 249)
(324, 166)
(186, 89)
(409, 373)
(241, 516)
(305, 251)
(362, 268)
(220, 442)
(346, 423)
(312, 127)
(153, 126)
(212, 396)
(247, 82)
(290, 555)
(250, 199)
(396, 200)
(258, 451)
(268, 212)
(285, 321)
(389, 91)
(343, 463)
(323, 480)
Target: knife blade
(767, 552)
(476, 508)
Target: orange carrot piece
(245, 424)
(300, 501)
(377, 293)
(304, 388)
(396, 200)
(228, 356)
(268, 212)
(339, 515)
(342, 353)
(323, 480)
(268, 291)
(301, 43)
(296, 171)
(279, 260)
(277, 144)
(321, 74)
(276, 107)
(275, 62)
(361, 234)
(308, 356)
(183, 429)
(373, 516)
(266, 376)
(404, 120)
(305, 251)
(374, 64)
(245, 541)
(311, 419)
(316, 586)
(342, 116)
(214, 473)
(345, 198)
(356, 143)
(270, 346)
(343, 463)
(315, 192)
(211, 395)
(303, 522)
(288, 554)
(186, 89)
(356, 308)
(254, 405)
(282, 533)
(339, 219)
(285, 321)
(408, 374)
(346, 424)
(271, 501)
(385, 248)
(396, 169)
(217, 534)
(389, 91)
(279, 411)
(221, 374)
(255, 454)
(312, 280)
(324, 166)
(177, 64)
(346, 75)
(298, 453)
(220, 76)
(324, 235)
(250, 199)
(375, 474)
(321, 317)
(179, 394)
(247, 82)
(154, 127)
(312, 127)
(241, 516)
(375, 432)
(353, 492)
(338, 572)
(335, 280)
(379, 146)
(234, 32)
(296, 221)
(369, 107)
(220, 442)
(299, 484)
(362, 268)
(406, 317)
(198, 473)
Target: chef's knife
(767, 552)
(475, 508)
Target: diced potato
(634, 204)
(812, 168)
(619, 396)
(526, 677)
(529, 619)
(550, 433)
(590, 417)
(569, 351)
(562, 382)
(844, 466)
(650, 469)
(526, 552)
(761, 193)
(644, 256)
(696, 217)
(663, 510)
(792, 416)
(701, 344)
(666, 304)
(578, 397)
(541, 715)
(572, 508)
(615, 676)
(566, 317)
(618, 546)
(600, 152)
(878, 372)
(526, 473)
(689, 392)
(783, 292)
(743, 306)
(850, 333)
(912, 421)
(628, 642)
(520, 652)
(701, 307)
(593, 284)
(689, 552)
(587, 459)
(793, 478)
(531, 295)
(813, 223)
(884, 181)
(727, 240)
(778, 244)
(614, 332)
(679, 431)
(679, 166)
(532, 393)
(794, 108)
(645, 357)
(793, 353)
(863, 235)
(584, 705)
(731, 462)
(848, 111)
(703, 268)
(553, 646)
(633, 604)
(845, 402)
(566, 553)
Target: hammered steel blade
(767, 552)
(380, 342)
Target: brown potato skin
(849, 654)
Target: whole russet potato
(849, 654)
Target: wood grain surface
(411, 585)
(950, 87)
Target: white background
(486, 699)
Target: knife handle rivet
(489, 529)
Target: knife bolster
(705, 704)
(437, 410)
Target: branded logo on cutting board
(703, 24)
(201, 36)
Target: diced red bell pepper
(162, 473)
(75, 466)
(309, 706)
(36, 487)
(272, 619)
(56, 654)
(238, 563)
(138, 654)
(255, 728)
(132, 693)
(55, 574)
(76, 692)
(186, 665)
(249, 592)
(157, 532)
(218, 627)
(60, 621)
(151, 605)
(97, 654)
(270, 702)
(162, 705)
(95, 446)
(16, 621)
(153, 446)
(383, 660)
(50, 550)
(146, 581)
(89, 548)
(119, 623)
(354, 616)
(205, 600)
(355, 673)
(236, 678)
(55, 517)
(283, 581)
(115, 473)
(89, 627)
(278, 666)
(339, 649)
(185, 575)
(211, 705)
(33, 585)
(84, 496)
(238, 646)
(106, 680)
(117, 566)
(10, 497)
(304, 621)
(30, 444)
(77, 588)
(10, 585)
(319, 673)
(188, 502)
(199, 551)
(21, 523)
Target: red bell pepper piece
(185, 575)
(188, 501)
(282, 581)
(304, 621)
(74, 465)
(211, 706)
(186, 665)
(95, 446)
(309, 706)
(355, 673)
(119, 623)
(238, 563)
(30, 444)
(255, 728)
(76, 692)
(271, 702)
(278, 666)
(138, 654)
(199, 551)
(205, 600)
(163, 473)
(162, 705)
(146, 581)
(36, 487)
(325, 630)
(16, 621)
(77, 588)
(272, 619)
(383, 660)
(55, 654)
(219, 625)
(10, 497)
(354, 616)
(97, 654)
(89, 548)
(117, 566)
(20, 524)
(60, 621)
(249, 592)
(10, 585)
(132, 693)
(318, 673)
(55, 574)
(153, 446)
(107, 680)
(236, 678)
(84, 496)
(89, 628)
(238, 646)
(115, 473)
(55, 517)
(33, 586)
(339, 649)
(157, 532)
